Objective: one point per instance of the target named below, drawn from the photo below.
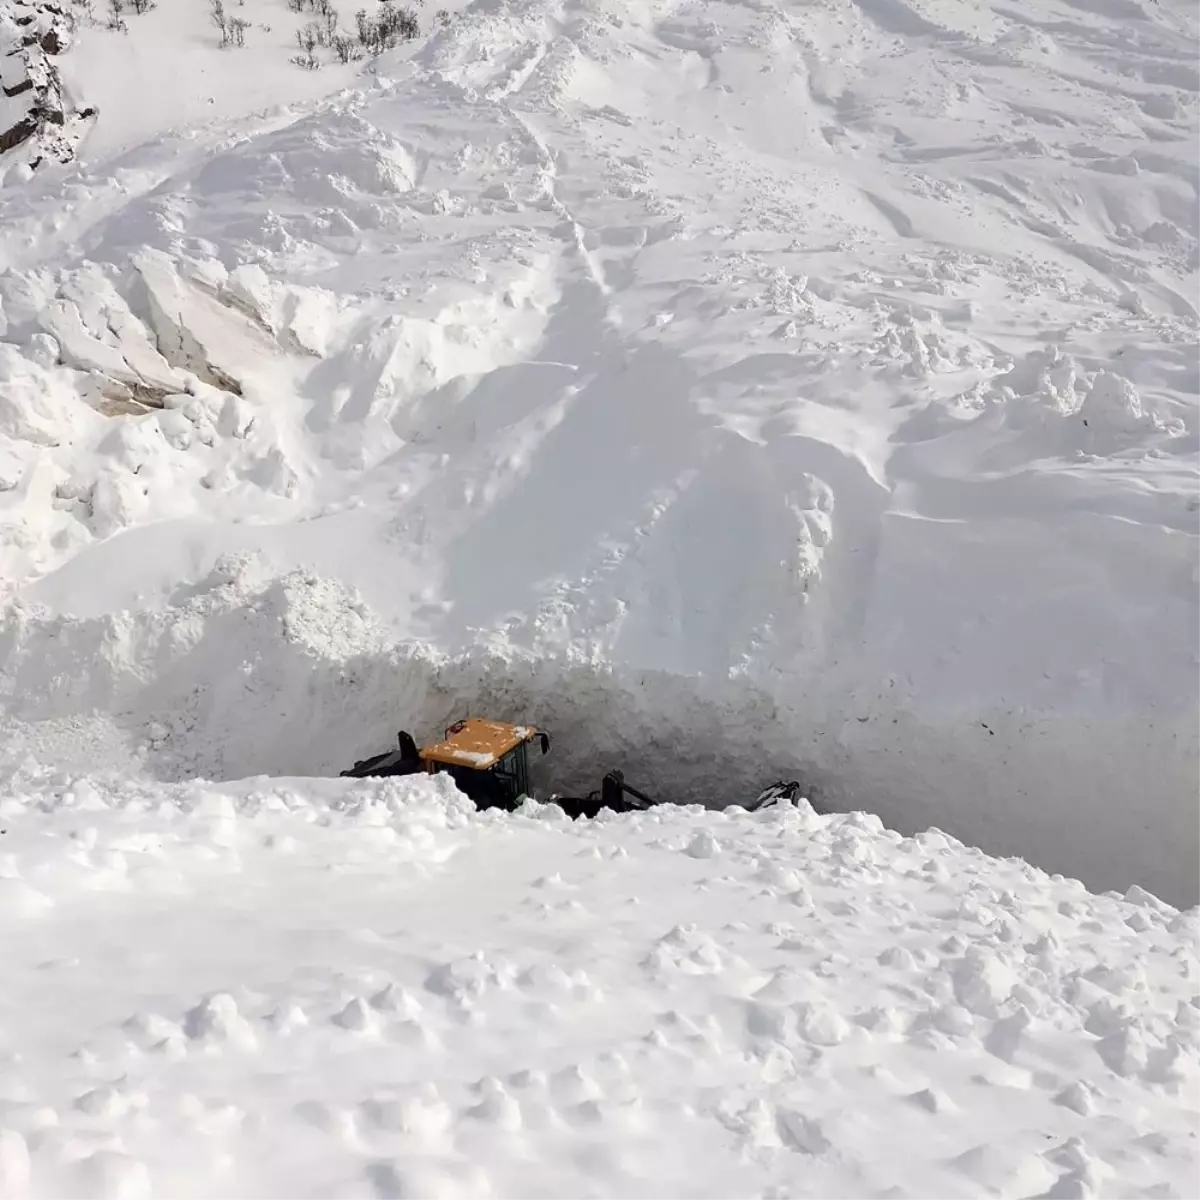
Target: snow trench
(293, 676)
(297, 680)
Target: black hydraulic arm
(614, 789)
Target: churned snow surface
(284, 987)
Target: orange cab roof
(477, 743)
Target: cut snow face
(295, 677)
(246, 675)
(860, 445)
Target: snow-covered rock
(39, 120)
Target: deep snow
(737, 390)
(384, 993)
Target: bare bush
(387, 29)
(398, 25)
(391, 25)
(116, 21)
(237, 30)
(216, 14)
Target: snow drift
(575, 382)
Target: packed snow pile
(814, 386)
(293, 987)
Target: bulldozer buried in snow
(489, 762)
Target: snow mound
(227, 997)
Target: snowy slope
(734, 389)
(826, 372)
(290, 988)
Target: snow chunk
(982, 982)
(217, 1020)
(467, 978)
(194, 332)
(357, 1016)
(703, 845)
(821, 1024)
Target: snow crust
(872, 427)
(385, 993)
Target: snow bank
(289, 986)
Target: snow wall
(294, 676)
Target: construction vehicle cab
(488, 760)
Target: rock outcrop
(35, 112)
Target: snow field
(737, 390)
(387, 993)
